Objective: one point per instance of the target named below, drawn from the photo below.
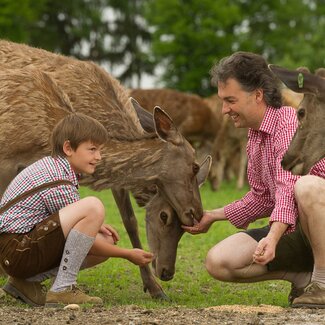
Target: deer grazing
(307, 146)
(146, 154)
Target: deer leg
(124, 205)
(242, 166)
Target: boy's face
(244, 108)
(85, 158)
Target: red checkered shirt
(272, 188)
(25, 214)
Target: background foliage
(178, 40)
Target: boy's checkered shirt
(25, 214)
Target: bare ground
(133, 315)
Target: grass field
(118, 281)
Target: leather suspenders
(33, 191)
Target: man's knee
(216, 266)
(308, 188)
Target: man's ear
(67, 148)
(259, 95)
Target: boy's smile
(85, 158)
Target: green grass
(118, 281)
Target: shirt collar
(269, 122)
(73, 177)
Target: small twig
(253, 261)
(249, 266)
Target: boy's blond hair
(76, 128)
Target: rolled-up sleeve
(251, 207)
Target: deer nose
(190, 213)
(166, 275)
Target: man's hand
(265, 251)
(209, 217)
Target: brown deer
(228, 149)
(199, 123)
(145, 154)
(307, 146)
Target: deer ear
(203, 173)
(320, 72)
(299, 81)
(165, 127)
(145, 118)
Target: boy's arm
(102, 247)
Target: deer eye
(301, 113)
(164, 217)
(196, 168)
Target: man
(281, 250)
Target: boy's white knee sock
(76, 249)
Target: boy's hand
(140, 257)
(110, 231)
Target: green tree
(187, 38)
(190, 35)
(129, 40)
(286, 32)
(73, 28)
(17, 17)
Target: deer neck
(128, 164)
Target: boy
(52, 232)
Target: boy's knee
(95, 207)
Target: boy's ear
(67, 148)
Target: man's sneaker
(294, 293)
(313, 297)
(71, 295)
(32, 293)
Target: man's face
(243, 107)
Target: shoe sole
(12, 291)
(313, 306)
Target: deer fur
(152, 159)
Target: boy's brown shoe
(313, 297)
(32, 293)
(71, 295)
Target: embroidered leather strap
(33, 191)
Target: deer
(145, 154)
(307, 146)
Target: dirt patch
(133, 315)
